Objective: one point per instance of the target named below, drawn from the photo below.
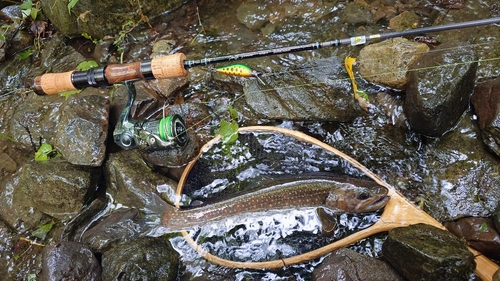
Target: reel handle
(170, 66)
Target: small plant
(4, 28)
(86, 65)
(45, 152)
(71, 4)
(6, 137)
(30, 10)
(42, 231)
(229, 130)
(95, 41)
(24, 54)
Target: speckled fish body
(237, 70)
(337, 193)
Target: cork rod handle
(170, 66)
(53, 83)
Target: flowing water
(444, 175)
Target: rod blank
(175, 65)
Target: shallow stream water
(450, 177)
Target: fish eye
(363, 196)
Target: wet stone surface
(435, 253)
(57, 189)
(451, 177)
(480, 233)
(144, 258)
(486, 102)
(437, 98)
(346, 264)
(120, 226)
(325, 97)
(82, 130)
(70, 261)
(386, 63)
(130, 180)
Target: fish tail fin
(159, 207)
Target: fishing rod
(176, 65)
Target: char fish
(334, 192)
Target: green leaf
(86, 36)
(232, 112)
(42, 231)
(86, 65)
(43, 152)
(32, 277)
(228, 131)
(34, 13)
(2, 37)
(26, 5)
(483, 227)
(6, 137)
(71, 4)
(24, 54)
(68, 94)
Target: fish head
(357, 199)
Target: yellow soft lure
(360, 95)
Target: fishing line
(338, 80)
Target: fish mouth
(375, 204)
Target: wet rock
(404, 21)
(82, 129)
(118, 227)
(58, 56)
(458, 177)
(70, 261)
(74, 229)
(12, 11)
(95, 18)
(166, 88)
(321, 97)
(130, 181)
(35, 119)
(6, 254)
(356, 14)
(486, 102)
(480, 233)
(386, 63)
(21, 40)
(496, 218)
(144, 258)
(54, 188)
(435, 254)
(437, 98)
(346, 264)
(7, 165)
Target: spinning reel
(158, 134)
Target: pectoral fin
(328, 222)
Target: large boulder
(424, 252)
(322, 96)
(54, 188)
(386, 63)
(70, 261)
(438, 89)
(480, 233)
(144, 258)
